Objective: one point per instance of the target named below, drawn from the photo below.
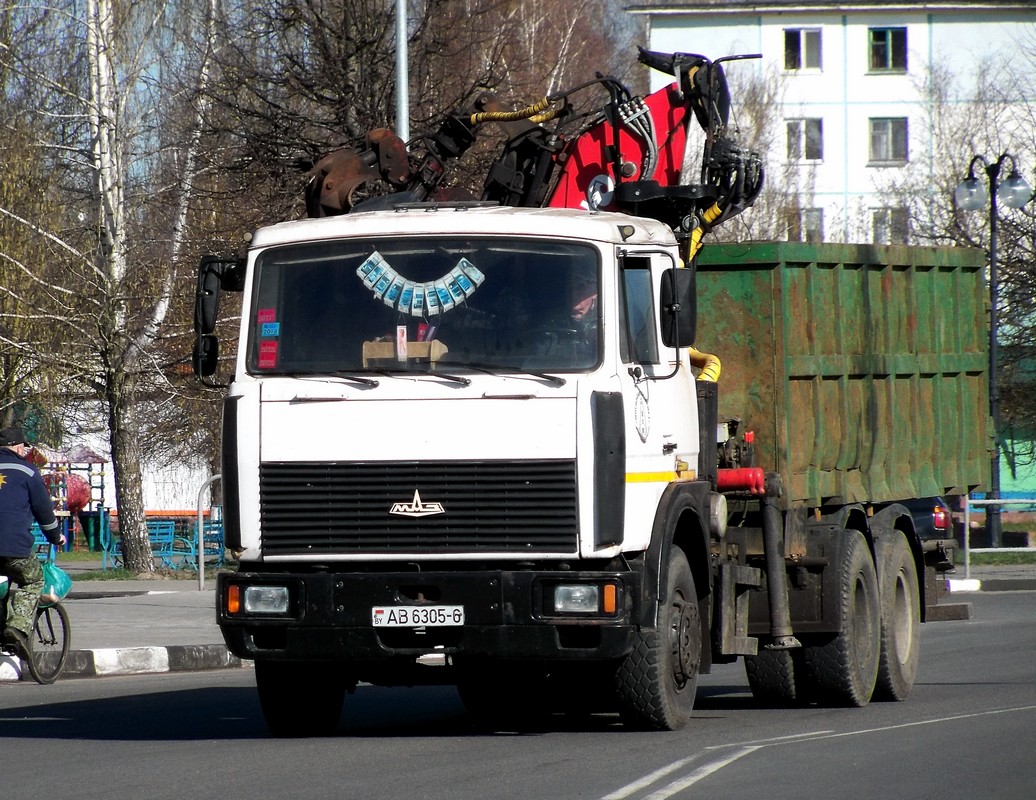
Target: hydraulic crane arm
(633, 154)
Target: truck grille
(487, 506)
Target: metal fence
(966, 537)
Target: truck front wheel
(900, 618)
(300, 698)
(656, 683)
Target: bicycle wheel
(49, 643)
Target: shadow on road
(232, 712)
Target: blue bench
(173, 551)
(212, 537)
(44, 549)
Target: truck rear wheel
(900, 618)
(844, 668)
(776, 677)
(657, 682)
(300, 698)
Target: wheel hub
(685, 650)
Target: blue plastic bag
(56, 584)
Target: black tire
(778, 677)
(900, 618)
(300, 698)
(49, 643)
(657, 682)
(844, 668)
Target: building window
(888, 49)
(805, 139)
(891, 225)
(801, 48)
(805, 224)
(888, 141)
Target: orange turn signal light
(233, 599)
(610, 594)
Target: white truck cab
(464, 432)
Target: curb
(108, 662)
(990, 585)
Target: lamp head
(971, 194)
(1014, 192)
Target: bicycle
(49, 643)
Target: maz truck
(488, 443)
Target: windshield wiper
(317, 376)
(372, 382)
(518, 372)
(411, 373)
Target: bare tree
(998, 92)
(113, 293)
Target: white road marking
(740, 750)
(702, 772)
(661, 772)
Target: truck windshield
(420, 304)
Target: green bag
(56, 584)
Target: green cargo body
(861, 369)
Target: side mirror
(205, 356)
(214, 274)
(678, 302)
(206, 299)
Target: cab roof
(462, 220)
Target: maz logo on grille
(416, 508)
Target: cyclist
(23, 497)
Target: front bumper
(507, 616)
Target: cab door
(660, 417)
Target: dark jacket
(23, 497)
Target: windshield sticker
(267, 354)
(418, 299)
(266, 315)
(270, 330)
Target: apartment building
(854, 102)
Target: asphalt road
(968, 731)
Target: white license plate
(416, 616)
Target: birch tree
(112, 294)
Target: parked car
(933, 521)
(933, 518)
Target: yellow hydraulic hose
(546, 116)
(707, 363)
(708, 216)
(511, 116)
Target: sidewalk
(167, 625)
(132, 627)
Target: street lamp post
(972, 195)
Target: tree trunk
(125, 449)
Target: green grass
(104, 575)
(999, 559)
(120, 574)
(79, 555)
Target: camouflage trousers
(21, 602)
